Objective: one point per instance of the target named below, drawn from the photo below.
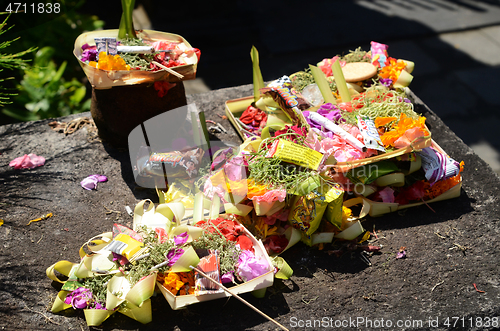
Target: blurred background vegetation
(49, 82)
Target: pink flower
(281, 215)
(173, 255)
(235, 168)
(28, 161)
(79, 298)
(387, 195)
(209, 190)
(162, 235)
(181, 239)
(249, 267)
(341, 150)
(270, 196)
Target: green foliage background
(53, 84)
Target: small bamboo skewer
(168, 70)
(237, 297)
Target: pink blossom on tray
(270, 196)
(250, 267)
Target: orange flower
(401, 127)
(181, 283)
(255, 189)
(392, 70)
(441, 186)
(173, 283)
(110, 62)
(383, 121)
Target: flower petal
(27, 161)
(90, 183)
(181, 238)
(249, 267)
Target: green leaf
(323, 85)
(56, 79)
(126, 29)
(367, 174)
(265, 133)
(258, 81)
(340, 81)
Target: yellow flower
(263, 229)
(346, 213)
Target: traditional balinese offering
(190, 261)
(322, 150)
(348, 123)
(135, 75)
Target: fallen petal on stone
(28, 161)
(90, 183)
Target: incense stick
(168, 69)
(237, 297)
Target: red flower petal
(275, 244)
(245, 242)
(230, 237)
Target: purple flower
(89, 53)
(173, 255)
(90, 183)
(324, 134)
(386, 81)
(99, 306)
(228, 277)
(181, 239)
(401, 254)
(120, 258)
(79, 298)
(327, 110)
